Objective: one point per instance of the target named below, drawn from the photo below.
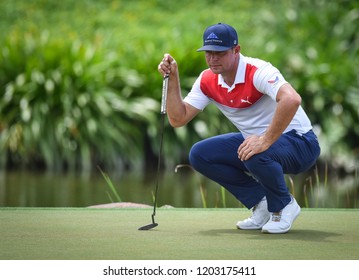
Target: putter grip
(164, 94)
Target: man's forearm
(286, 109)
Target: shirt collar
(240, 75)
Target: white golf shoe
(282, 221)
(260, 216)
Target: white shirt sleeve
(268, 80)
(196, 97)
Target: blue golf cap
(219, 37)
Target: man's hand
(167, 65)
(252, 145)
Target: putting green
(182, 234)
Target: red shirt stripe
(242, 96)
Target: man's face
(221, 62)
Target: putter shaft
(163, 113)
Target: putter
(163, 113)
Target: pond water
(181, 189)
(28, 189)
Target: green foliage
(67, 104)
(79, 82)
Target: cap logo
(213, 39)
(212, 36)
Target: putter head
(148, 227)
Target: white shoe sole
(251, 227)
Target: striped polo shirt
(250, 102)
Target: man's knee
(195, 155)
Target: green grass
(182, 234)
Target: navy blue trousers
(261, 175)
